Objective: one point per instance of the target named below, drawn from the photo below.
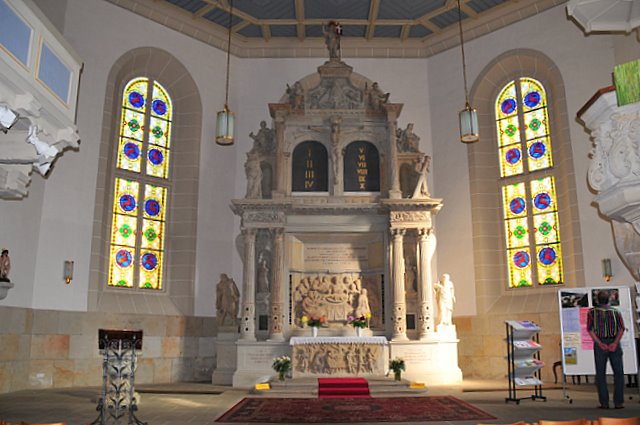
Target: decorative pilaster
(426, 249)
(399, 315)
(248, 323)
(277, 296)
(394, 191)
(281, 169)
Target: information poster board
(577, 345)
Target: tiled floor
(200, 404)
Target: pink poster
(585, 338)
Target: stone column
(426, 249)
(399, 315)
(277, 296)
(248, 321)
(280, 166)
(394, 190)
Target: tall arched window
(141, 187)
(529, 200)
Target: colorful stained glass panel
(159, 132)
(517, 233)
(549, 264)
(129, 155)
(546, 228)
(535, 123)
(152, 234)
(511, 163)
(543, 194)
(508, 131)
(126, 196)
(135, 94)
(519, 261)
(157, 161)
(539, 154)
(506, 104)
(123, 231)
(514, 200)
(154, 197)
(161, 104)
(150, 269)
(121, 266)
(132, 125)
(533, 94)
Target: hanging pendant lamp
(225, 121)
(468, 117)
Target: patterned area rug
(336, 410)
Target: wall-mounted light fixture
(606, 269)
(68, 271)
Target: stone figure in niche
(375, 96)
(263, 142)
(263, 274)
(407, 140)
(363, 309)
(410, 283)
(335, 147)
(332, 33)
(296, 95)
(254, 176)
(446, 297)
(227, 301)
(5, 266)
(422, 168)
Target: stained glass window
(141, 187)
(529, 199)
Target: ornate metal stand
(117, 404)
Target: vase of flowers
(314, 323)
(281, 365)
(359, 323)
(397, 366)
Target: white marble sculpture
(446, 297)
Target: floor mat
(343, 387)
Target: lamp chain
(226, 95)
(464, 63)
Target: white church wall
(66, 222)
(586, 64)
(625, 46)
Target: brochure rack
(523, 360)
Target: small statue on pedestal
(5, 266)
(227, 301)
(446, 297)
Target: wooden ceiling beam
(266, 32)
(406, 29)
(299, 5)
(374, 8)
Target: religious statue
(422, 168)
(407, 140)
(363, 309)
(335, 147)
(375, 96)
(263, 142)
(263, 274)
(332, 39)
(254, 176)
(5, 266)
(446, 297)
(227, 301)
(296, 95)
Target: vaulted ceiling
(371, 28)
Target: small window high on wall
(141, 187)
(529, 201)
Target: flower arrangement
(397, 366)
(313, 321)
(281, 365)
(359, 322)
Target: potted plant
(359, 323)
(314, 323)
(281, 365)
(397, 366)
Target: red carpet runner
(343, 388)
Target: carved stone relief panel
(332, 359)
(336, 296)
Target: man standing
(606, 327)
